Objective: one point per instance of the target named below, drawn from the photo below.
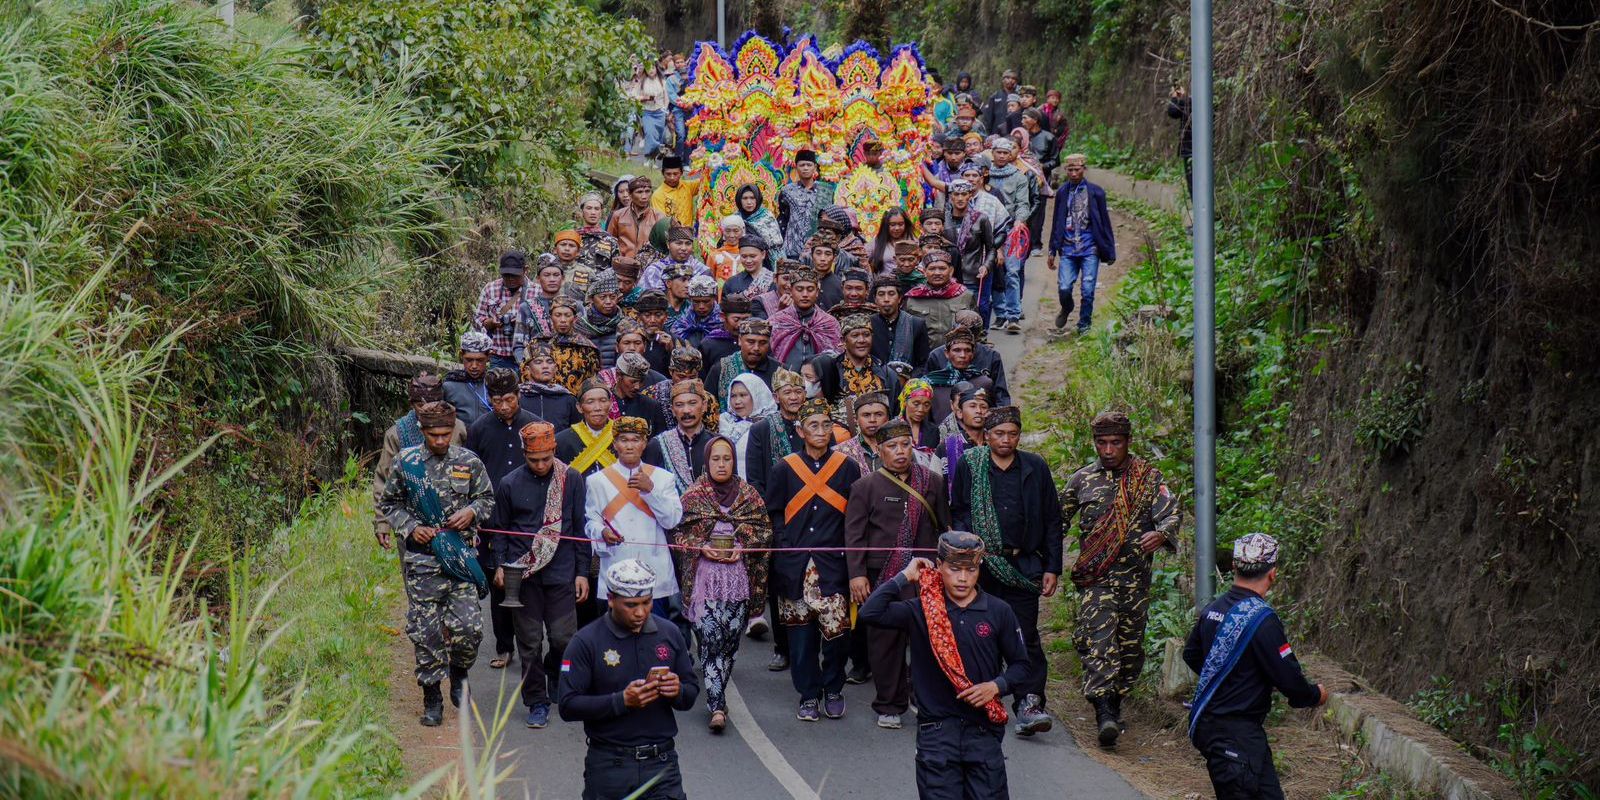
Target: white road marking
(771, 757)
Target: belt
(643, 752)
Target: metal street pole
(1205, 396)
(225, 9)
(722, 23)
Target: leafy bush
(1392, 419)
(520, 86)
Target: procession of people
(656, 451)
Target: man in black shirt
(623, 676)
(495, 439)
(1008, 497)
(896, 335)
(767, 443)
(960, 631)
(542, 496)
(807, 493)
(995, 111)
(753, 356)
(1241, 653)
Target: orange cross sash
(816, 484)
(626, 495)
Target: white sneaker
(757, 628)
(889, 722)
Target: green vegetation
(519, 87)
(1393, 419)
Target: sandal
(500, 661)
(719, 721)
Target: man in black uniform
(496, 439)
(960, 638)
(1239, 649)
(1008, 497)
(769, 441)
(623, 676)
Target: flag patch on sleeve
(566, 666)
(1284, 651)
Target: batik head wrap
(1111, 423)
(854, 322)
(784, 379)
(633, 365)
(916, 387)
(816, 406)
(961, 548)
(634, 425)
(651, 301)
(702, 286)
(893, 429)
(500, 381)
(685, 359)
(476, 342)
(603, 282)
(425, 388)
(755, 327)
(538, 437)
(1255, 549)
(686, 386)
(1001, 415)
(630, 578)
(437, 414)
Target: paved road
(767, 753)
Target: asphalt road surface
(767, 753)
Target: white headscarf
(737, 428)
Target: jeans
(806, 648)
(1069, 271)
(1010, 305)
(655, 131)
(680, 123)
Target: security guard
(1239, 650)
(966, 652)
(623, 676)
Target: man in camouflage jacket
(1126, 513)
(434, 486)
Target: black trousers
(612, 773)
(886, 652)
(806, 649)
(1026, 606)
(1238, 758)
(549, 612)
(960, 760)
(505, 637)
(780, 633)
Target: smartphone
(659, 673)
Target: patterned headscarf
(475, 342)
(1255, 549)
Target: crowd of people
(801, 434)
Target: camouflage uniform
(386, 457)
(443, 618)
(1109, 630)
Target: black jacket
(1038, 544)
(556, 406)
(1268, 663)
(519, 506)
(758, 451)
(883, 340)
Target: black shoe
(1116, 710)
(779, 663)
(858, 676)
(458, 685)
(432, 706)
(1106, 722)
(1061, 318)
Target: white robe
(643, 536)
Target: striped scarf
(986, 523)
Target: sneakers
(890, 722)
(858, 676)
(833, 706)
(779, 663)
(432, 706)
(1105, 722)
(807, 712)
(1032, 719)
(539, 716)
(757, 628)
(1013, 327)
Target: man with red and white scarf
(966, 652)
(892, 511)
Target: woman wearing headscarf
(758, 221)
(749, 400)
(723, 516)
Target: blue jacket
(1105, 242)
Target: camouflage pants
(443, 618)
(1109, 634)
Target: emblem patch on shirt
(613, 658)
(566, 666)
(1284, 651)
(663, 652)
(460, 473)
(984, 631)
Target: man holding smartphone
(623, 676)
